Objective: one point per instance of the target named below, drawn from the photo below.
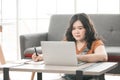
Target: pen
(35, 51)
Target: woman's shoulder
(95, 44)
(98, 41)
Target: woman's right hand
(37, 58)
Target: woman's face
(78, 31)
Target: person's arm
(98, 55)
(37, 58)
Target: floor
(50, 76)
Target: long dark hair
(90, 35)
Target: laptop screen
(59, 53)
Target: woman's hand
(37, 58)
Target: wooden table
(94, 69)
(2, 59)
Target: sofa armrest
(113, 53)
(31, 40)
(114, 56)
(113, 50)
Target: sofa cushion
(108, 25)
(58, 26)
(113, 58)
(28, 55)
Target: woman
(89, 46)
(83, 33)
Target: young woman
(89, 46)
(83, 33)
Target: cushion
(28, 55)
(113, 58)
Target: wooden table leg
(2, 59)
(32, 76)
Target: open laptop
(59, 53)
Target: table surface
(88, 68)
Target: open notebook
(59, 53)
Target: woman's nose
(77, 31)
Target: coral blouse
(95, 44)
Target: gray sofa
(107, 25)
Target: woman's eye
(80, 28)
(77, 28)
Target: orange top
(95, 44)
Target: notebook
(59, 53)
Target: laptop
(61, 53)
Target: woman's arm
(98, 55)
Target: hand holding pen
(37, 57)
(35, 51)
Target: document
(15, 63)
(35, 63)
(21, 62)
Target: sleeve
(97, 43)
